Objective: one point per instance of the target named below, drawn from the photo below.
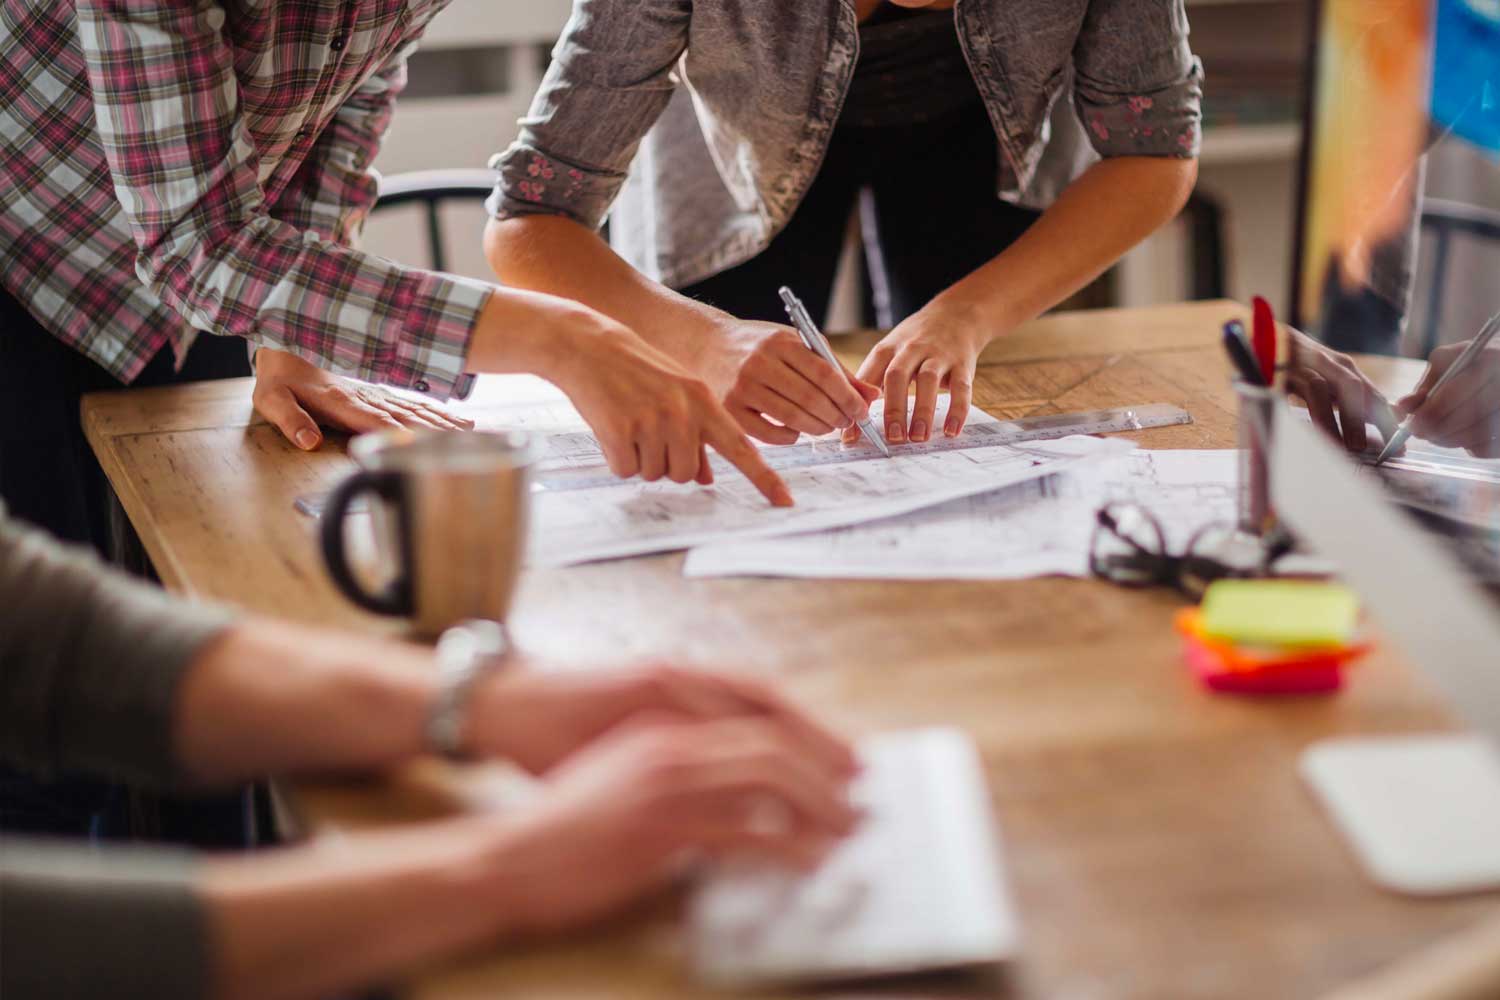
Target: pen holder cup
(1253, 504)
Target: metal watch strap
(465, 652)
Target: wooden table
(1159, 840)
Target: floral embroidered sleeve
(1138, 87)
(609, 81)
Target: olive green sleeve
(90, 661)
(79, 923)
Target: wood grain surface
(1159, 840)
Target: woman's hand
(937, 348)
(651, 416)
(777, 388)
(536, 718)
(654, 419)
(1340, 399)
(622, 817)
(1465, 413)
(297, 396)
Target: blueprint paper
(1039, 527)
(838, 485)
(635, 518)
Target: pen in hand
(1469, 354)
(813, 338)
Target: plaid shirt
(168, 166)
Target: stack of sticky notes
(1272, 636)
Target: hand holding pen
(1340, 399)
(1457, 402)
(818, 344)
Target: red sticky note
(1217, 675)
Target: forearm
(1109, 209)
(269, 698)
(350, 911)
(307, 921)
(554, 254)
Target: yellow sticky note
(1280, 612)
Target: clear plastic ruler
(573, 460)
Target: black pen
(1240, 354)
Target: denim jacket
(709, 119)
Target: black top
(911, 69)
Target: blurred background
(481, 61)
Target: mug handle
(396, 597)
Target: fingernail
(784, 498)
(951, 428)
(893, 431)
(919, 430)
(307, 440)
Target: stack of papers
(980, 511)
(632, 518)
(1038, 528)
(578, 517)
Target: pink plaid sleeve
(335, 188)
(185, 174)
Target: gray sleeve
(77, 923)
(610, 79)
(1137, 87)
(90, 661)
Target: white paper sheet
(613, 519)
(1040, 527)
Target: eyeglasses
(1129, 548)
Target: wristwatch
(466, 653)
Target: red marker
(1264, 333)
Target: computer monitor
(1398, 237)
(1398, 209)
(1398, 253)
(1421, 811)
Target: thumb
(1413, 401)
(1438, 364)
(279, 406)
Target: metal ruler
(582, 473)
(1477, 470)
(573, 460)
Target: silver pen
(818, 344)
(1469, 354)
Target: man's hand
(1465, 413)
(297, 396)
(1331, 383)
(536, 718)
(776, 387)
(621, 818)
(937, 348)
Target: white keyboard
(919, 886)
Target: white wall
(464, 130)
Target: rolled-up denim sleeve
(610, 79)
(1138, 88)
